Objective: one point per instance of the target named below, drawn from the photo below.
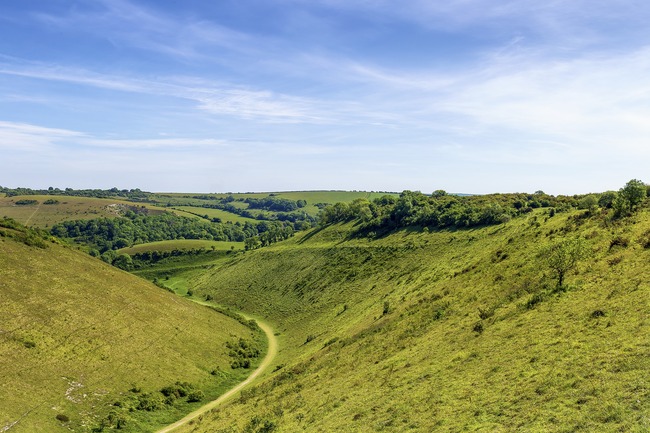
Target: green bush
(195, 396)
(26, 202)
(150, 402)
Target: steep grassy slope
(77, 335)
(447, 331)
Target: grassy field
(77, 336)
(446, 331)
(312, 198)
(183, 244)
(64, 208)
(216, 213)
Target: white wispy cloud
(35, 138)
(155, 143)
(27, 137)
(210, 97)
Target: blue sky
(212, 96)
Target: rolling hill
(447, 330)
(85, 346)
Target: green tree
(607, 199)
(564, 255)
(633, 193)
(589, 202)
(124, 262)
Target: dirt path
(272, 351)
(33, 213)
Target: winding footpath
(272, 351)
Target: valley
(390, 315)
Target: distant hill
(448, 330)
(86, 346)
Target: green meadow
(181, 200)
(214, 213)
(48, 210)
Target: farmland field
(214, 213)
(49, 209)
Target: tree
(633, 193)
(564, 255)
(124, 262)
(589, 202)
(607, 199)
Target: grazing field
(183, 244)
(446, 331)
(50, 209)
(84, 345)
(192, 202)
(224, 216)
(46, 210)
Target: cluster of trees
(26, 202)
(242, 351)
(133, 194)
(106, 234)
(277, 204)
(441, 210)
(272, 233)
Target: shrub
(194, 396)
(485, 314)
(150, 402)
(597, 313)
(62, 417)
(26, 202)
(619, 241)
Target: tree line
(133, 194)
(106, 234)
(440, 210)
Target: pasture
(50, 209)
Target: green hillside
(447, 330)
(85, 345)
(45, 210)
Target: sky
(468, 96)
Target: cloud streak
(210, 97)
